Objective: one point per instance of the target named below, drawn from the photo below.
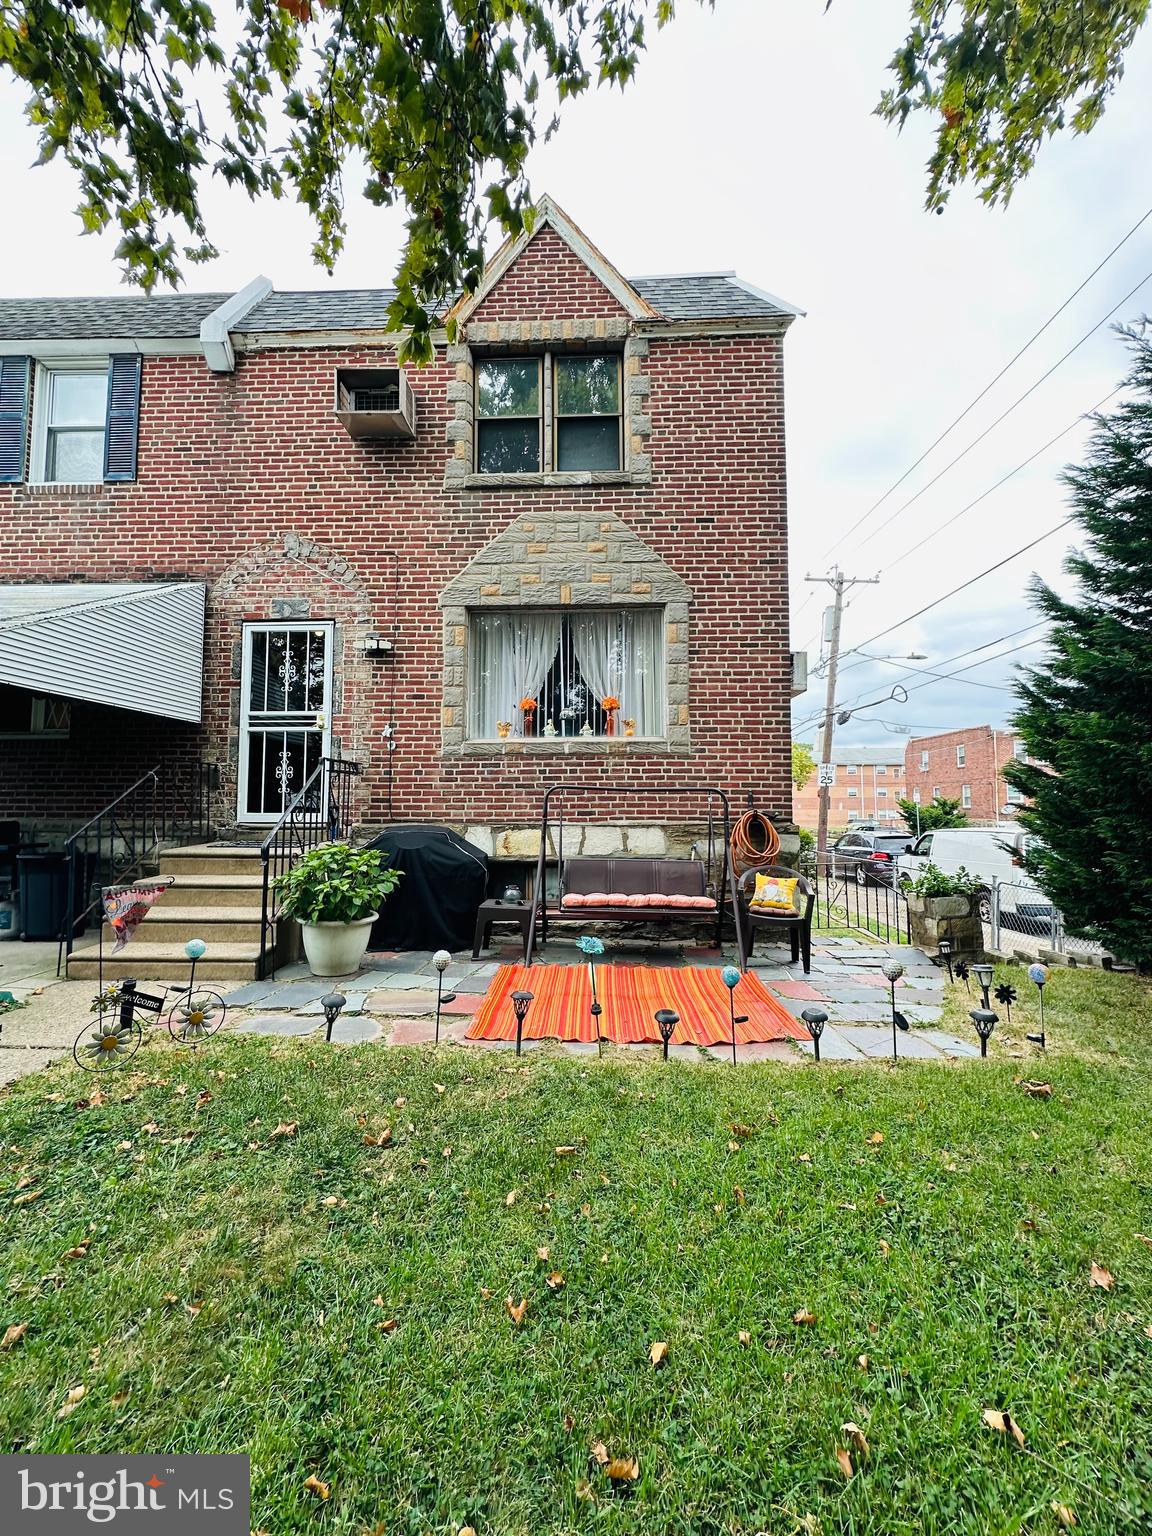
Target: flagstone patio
(393, 999)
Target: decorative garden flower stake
(1005, 995)
(892, 971)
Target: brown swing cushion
(628, 884)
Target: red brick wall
(878, 787)
(548, 280)
(231, 465)
(985, 753)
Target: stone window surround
(535, 336)
(566, 560)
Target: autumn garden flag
(126, 907)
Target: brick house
(968, 766)
(256, 541)
(868, 783)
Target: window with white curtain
(568, 664)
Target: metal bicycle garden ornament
(195, 1015)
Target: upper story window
(852, 768)
(69, 424)
(961, 755)
(881, 771)
(966, 796)
(559, 674)
(923, 762)
(1019, 751)
(556, 412)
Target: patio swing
(620, 888)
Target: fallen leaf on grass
(388, 1325)
(875, 1139)
(1037, 1090)
(1065, 1515)
(71, 1402)
(856, 1436)
(742, 1131)
(885, 1248)
(863, 1362)
(202, 1098)
(439, 1087)
(845, 1460)
(13, 1335)
(334, 1200)
(1102, 1279)
(1140, 1238)
(193, 1308)
(566, 1151)
(516, 1313)
(314, 1485)
(170, 1298)
(600, 1454)
(24, 1181)
(658, 1353)
(622, 1469)
(287, 1128)
(555, 1281)
(1003, 1423)
(28, 1196)
(151, 1129)
(466, 1530)
(118, 1399)
(739, 1194)
(804, 1317)
(745, 1337)
(511, 1197)
(542, 1255)
(180, 1090)
(80, 1251)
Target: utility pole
(839, 584)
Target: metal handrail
(320, 812)
(141, 818)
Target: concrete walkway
(392, 1000)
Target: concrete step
(214, 924)
(209, 859)
(164, 962)
(211, 891)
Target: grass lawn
(338, 1309)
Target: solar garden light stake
(730, 976)
(983, 974)
(332, 1004)
(815, 1019)
(592, 947)
(666, 1022)
(985, 1021)
(1039, 975)
(521, 1001)
(194, 949)
(944, 949)
(441, 960)
(892, 971)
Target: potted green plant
(942, 906)
(335, 893)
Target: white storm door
(285, 714)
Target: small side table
(492, 912)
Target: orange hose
(755, 842)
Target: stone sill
(71, 488)
(558, 479)
(557, 746)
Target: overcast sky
(747, 142)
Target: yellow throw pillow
(773, 894)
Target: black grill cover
(434, 906)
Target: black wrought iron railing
(861, 900)
(320, 813)
(169, 803)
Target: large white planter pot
(336, 949)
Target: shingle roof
(158, 314)
(695, 296)
(705, 296)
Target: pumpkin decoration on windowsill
(629, 727)
(610, 704)
(528, 716)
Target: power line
(999, 656)
(992, 382)
(1023, 465)
(912, 671)
(972, 580)
(903, 507)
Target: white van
(986, 853)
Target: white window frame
(881, 771)
(853, 794)
(961, 754)
(38, 730)
(851, 768)
(1019, 751)
(966, 796)
(916, 796)
(881, 794)
(923, 762)
(41, 395)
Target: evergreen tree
(1087, 709)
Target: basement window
(27, 714)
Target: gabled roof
(549, 215)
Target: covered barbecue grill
(435, 905)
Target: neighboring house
(235, 532)
(967, 766)
(869, 781)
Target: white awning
(138, 647)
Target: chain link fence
(1020, 916)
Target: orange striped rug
(630, 996)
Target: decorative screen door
(286, 707)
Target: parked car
(869, 858)
(988, 853)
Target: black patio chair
(797, 923)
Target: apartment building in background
(869, 781)
(968, 766)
